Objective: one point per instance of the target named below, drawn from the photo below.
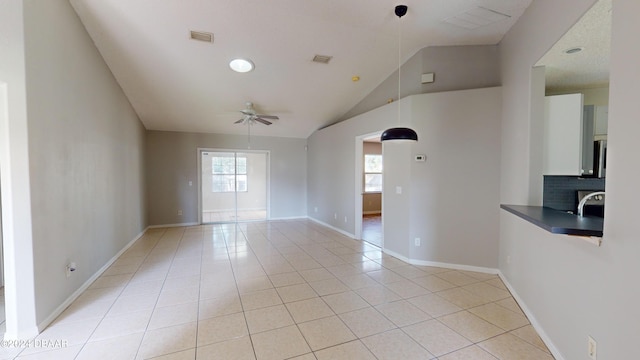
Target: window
(372, 173)
(229, 174)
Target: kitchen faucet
(585, 199)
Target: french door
(233, 186)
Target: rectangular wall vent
(324, 59)
(202, 36)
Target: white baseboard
(332, 227)
(172, 225)
(287, 218)
(480, 269)
(373, 212)
(534, 322)
(86, 285)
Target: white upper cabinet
(562, 154)
(601, 120)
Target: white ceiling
(179, 84)
(588, 68)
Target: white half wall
(450, 201)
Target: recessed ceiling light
(574, 50)
(241, 65)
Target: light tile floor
(372, 229)
(233, 216)
(284, 290)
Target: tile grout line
(164, 281)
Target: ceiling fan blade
(239, 121)
(268, 117)
(261, 120)
(248, 112)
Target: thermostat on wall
(421, 157)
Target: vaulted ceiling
(580, 59)
(179, 84)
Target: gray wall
(453, 71)
(462, 147)
(172, 161)
(572, 288)
(86, 155)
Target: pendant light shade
(399, 133)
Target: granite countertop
(558, 222)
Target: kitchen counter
(558, 222)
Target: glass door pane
(251, 173)
(218, 186)
(234, 186)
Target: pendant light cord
(399, 62)
(249, 135)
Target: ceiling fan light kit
(399, 133)
(251, 117)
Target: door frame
(199, 151)
(359, 191)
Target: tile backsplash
(560, 191)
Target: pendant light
(399, 133)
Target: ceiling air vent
(202, 36)
(323, 59)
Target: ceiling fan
(251, 117)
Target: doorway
(233, 186)
(369, 189)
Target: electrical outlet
(591, 348)
(190, 183)
(508, 259)
(71, 267)
(315, 209)
(345, 219)
(417, 241)
(179, 212)
(335, 216)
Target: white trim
(479, 269)
(396, 255)
(359, 185)
(172, 225)
(288, 218)
(333, 228)
(86, 285)
(532, 319)
(228, 210)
